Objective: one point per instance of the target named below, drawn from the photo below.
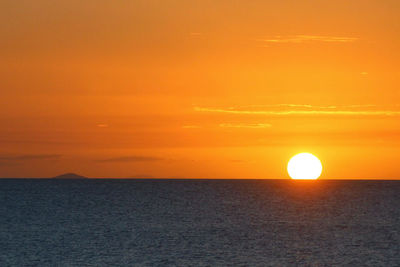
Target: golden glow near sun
(304, 166)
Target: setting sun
(304, 166)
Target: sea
(98, 222)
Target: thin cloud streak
(306, 106)
(308, 38)
(388, 113)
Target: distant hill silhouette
(70, 176)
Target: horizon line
(154, 178)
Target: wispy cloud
(30, 157)
(130, 159)
(303, 110)
(300, 106)
(245, 125)
(308, 39)
(285, 105)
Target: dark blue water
(199, 223)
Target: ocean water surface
(199, 223)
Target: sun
(304, 166)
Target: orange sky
(199, 89)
